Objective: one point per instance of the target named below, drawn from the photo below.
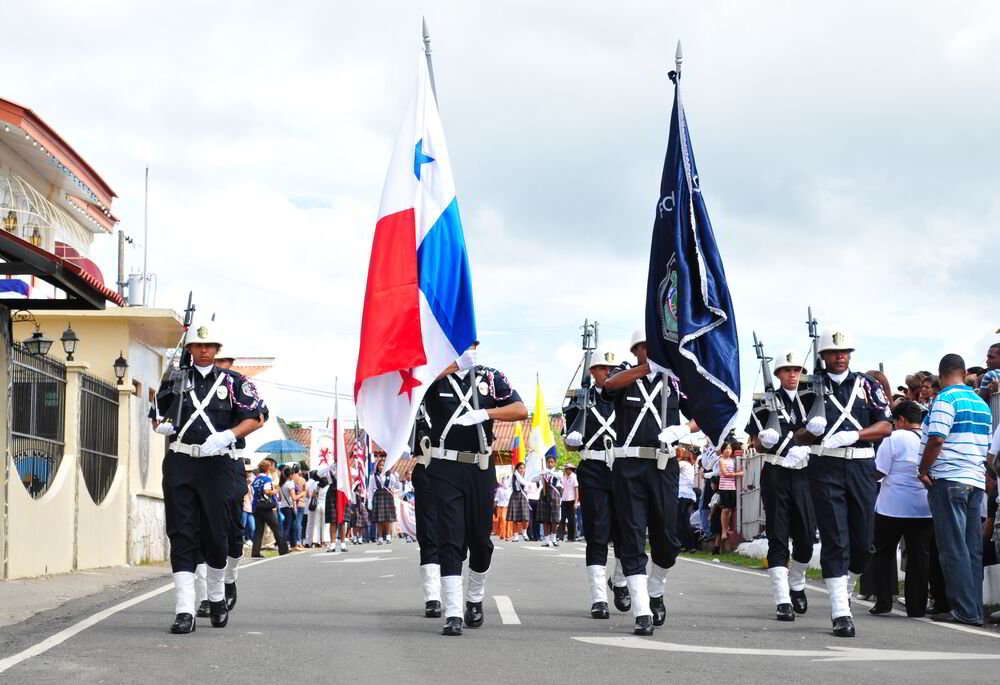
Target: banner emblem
(667, 299)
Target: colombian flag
(517, 447)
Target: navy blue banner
(690, 328)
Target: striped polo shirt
(961, 417)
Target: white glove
(217, 442)
(467, 359)
(672, 434)
(574, 439)
(841, 439)
(165, 428)
(795, 456)
(768, 438)
(471, 418)
(817, 425)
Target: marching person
(225, 360)
(645, 477)
(518, 509)
(426, 513)
(600, 522)
(550, 501)
(217, 406)
(784, 489)
(842, 469)
(462, 477)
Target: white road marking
(360, 560)
(538, 549)
(65, 634)
(391, 575)
(572, 556)
(763, 574)
(506, 608)
(378, 551)
(829, 654)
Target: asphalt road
(357, 617)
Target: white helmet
(204, 332)
(639, 336)
(603, 358)
(835, 339)
(788, 360)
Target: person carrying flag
(854, 413)
(600, 522)
(425, 511)
(645, 477)
(461, 476)
(784, 488)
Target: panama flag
(418, 313)
(340, 452)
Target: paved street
(356, 617)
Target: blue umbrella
(282, 447)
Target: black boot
(218, 613)
(799, 602)
(432, 609)
(785, 613)
(473, 614)
(877, 609)
(203, 609)
(659, 610)
(599, 610)
(643, 626)
(452, 626)
(183, 624)
(843, 626)
(230, 596)
(623, 601)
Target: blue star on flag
(419, 159)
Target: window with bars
(38, 415)
(98, 435)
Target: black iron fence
(98, 435)
(38, 409)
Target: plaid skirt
(518, 509)
(359, 515)
(383, 507)
(549, 510)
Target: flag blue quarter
(690, 327)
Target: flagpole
(475, 383)
(675, 76)
(427, 54)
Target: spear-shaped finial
(678, 58)
(427, 54)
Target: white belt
(777, 460)
(843, 452)
(607, 456)
(461, 457)
(642, 453)
(195, 451)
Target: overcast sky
(848, 154)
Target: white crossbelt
(464, 400)
(647, 398)
(843, 452)
(605, 426)
(199, 408)
(845, 412)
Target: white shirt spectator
(503, 495)
(569, 487)
(685, 481)
(533, 491)
(902, 495)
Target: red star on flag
(324, 453)
(408, 384)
